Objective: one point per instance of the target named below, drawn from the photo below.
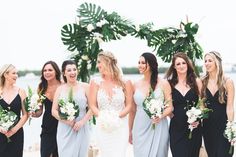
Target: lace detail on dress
(115, 102)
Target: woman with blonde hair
(110, 99)
(219, 93)
(12, 99)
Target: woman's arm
(24, 115)
(92, 97)
(199, 85)
(168, 99)
(230, 99)
(128, 99)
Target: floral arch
(94, 25)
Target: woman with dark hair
(219, 91)
(50, 80)
(72, 133)
(146, 141)
(185, 93)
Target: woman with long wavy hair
(110, 98)
(148, 141)
(218, 90)
(185, 93)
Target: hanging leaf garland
(95, 25)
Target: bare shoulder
(163, 83)
(229, 82)
(22, 93)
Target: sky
(31, 30)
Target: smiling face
(101, 65)
(180, 66)
(142, 65)
(49, 72)
(210, 63)
(71, 73)
(11, 75)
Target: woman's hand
(156, 120)
(78, 125)
(195, 124)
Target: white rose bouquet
(8, 120)
(109, 120)
(196, 113)
(154, 107)
(68, 110)
(230, 134)
(34, 101)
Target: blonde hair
(4, 70)
(219, 76)
(112, 67)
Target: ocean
(32, 131)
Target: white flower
(90, 27)
(109, 120)
(85, 57)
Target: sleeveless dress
(74, 143)
(15, 147)
(180, 144)
(213, 128)
(48, 143)
(112, 143)
(146, 141)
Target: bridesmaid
(12, 99)
(146, 141)
(185, 91)
(72, 135)
(50, 80)
(219, 91)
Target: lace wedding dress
(112, 131)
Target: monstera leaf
(95, 25)
(73, 36)
(90, 14)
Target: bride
(110, 100)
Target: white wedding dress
(112, 138)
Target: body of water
(32, 131)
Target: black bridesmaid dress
(15, 147)
(180, 144)
(49, 131)
(213, 128)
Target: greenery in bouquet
(230, 134)
(153, 106)
(196, 112)
(68, 110)
(34, 101)
(8, 119)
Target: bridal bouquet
(153, 106)
(196, 113)
(34, 101)
(68, 110)
(8, 120)
(230, 134)
(109, 120)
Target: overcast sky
(30, 29)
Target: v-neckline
(11, 100)
(213, 95)
(181, 93)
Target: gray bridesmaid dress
(149, 142)
(74, 143)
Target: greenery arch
(94, 25)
